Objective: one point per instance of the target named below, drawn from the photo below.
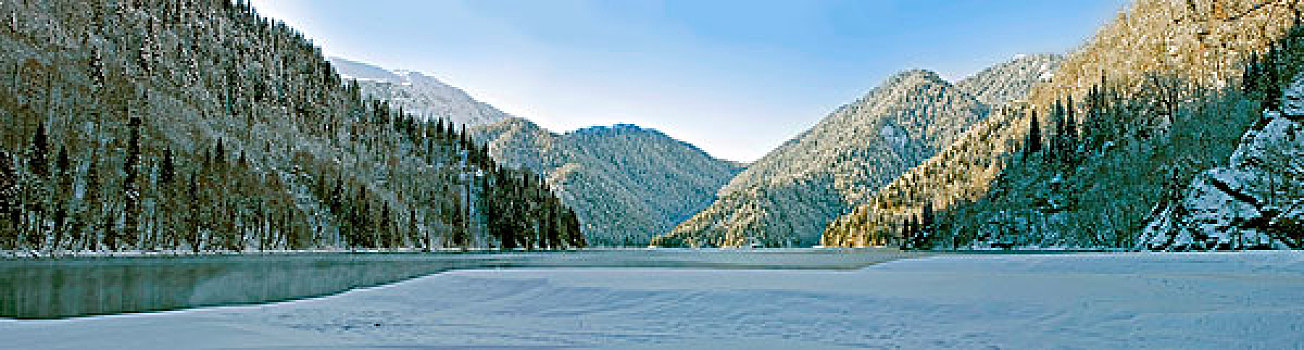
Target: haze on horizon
(735, 78)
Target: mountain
(1156, 97)
(626, 183)
(203, 126)
(1010, 80)
(788, 196)
(418, 94)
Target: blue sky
(736, 78)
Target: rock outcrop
(1257, 201)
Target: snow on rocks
(1257, 201)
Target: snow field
(1134, 300)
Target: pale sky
(736, 78)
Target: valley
(292, 174)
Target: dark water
(60, 288)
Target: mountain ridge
(788, 196)
(625, 182)
(1158, 102)
(419, 94)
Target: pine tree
(94, 201)
(1070, 138)
(572, 229)
(413, 231)
(1033, 145)
(1057, 143)
(38, 162)
(9, 211)
(36, 194)
(458, 223)
(130, 187)
(921, 234)
(167, 168)
(166, 194)
(908, 232)
(63, 198)
(191, 230)
(927, 217)
(385, 232)
(1271, 80)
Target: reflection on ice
(94, 286)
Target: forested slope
(200, 125)
(626, 183)
(788, 196)
(1154, 98)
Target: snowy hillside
(204, 126)
(1010, 80)
(418, 94)
(787, 197)
(1256, 201)
(1156, 97)
(626, 183)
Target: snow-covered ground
(1100, 301)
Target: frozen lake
(1106, 301)
(60, 288)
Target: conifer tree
(1271, 80)
(38, 161)
(572, 229)
(62, 198)
(927, 217)
(36, 194)
(166, 198)
(9, 193)
(94, 202)
(1056, 151)
(1033, 145)
(1069, 140)
(130, 186)
(191, 232)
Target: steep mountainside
(418, 94)
(785, 198)
(626, 183)
(1255, 201)
(1010, 80)
(1205, 43)
(1159, 99)
(200, 125)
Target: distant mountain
(418, 94)
(787, 197)
(625, 183)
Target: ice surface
(1111, 301)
